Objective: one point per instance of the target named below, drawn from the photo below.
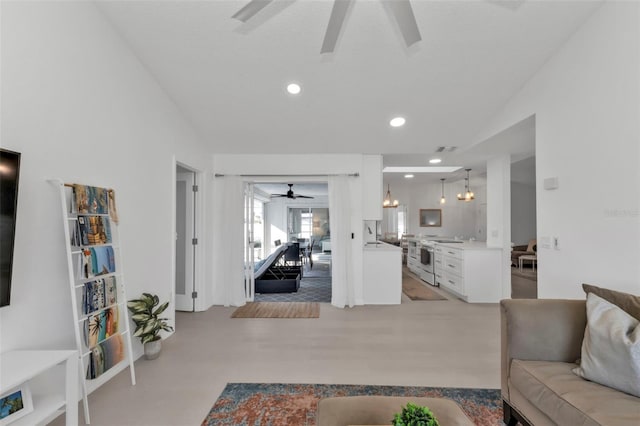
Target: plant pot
(152, 349)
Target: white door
(249, 243)
(185, 235)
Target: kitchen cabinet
(470, 270)
(382, 274)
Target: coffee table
(379, 410)
(530, 257)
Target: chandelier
(468, 194)
(387, 203)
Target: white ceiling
(229, 78)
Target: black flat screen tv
(9, 174)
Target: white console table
(18, 367)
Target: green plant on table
(415, 415)
(146, 318)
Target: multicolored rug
(281, 404)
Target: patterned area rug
(318, 270)
(278, 404)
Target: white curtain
(229, 241)
(342, 287)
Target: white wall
(79, 106)
(276, 215)
(586, 102)
(459, 218)
(523, 213)
(499, 213)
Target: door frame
(198, 255)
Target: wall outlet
(494, 233)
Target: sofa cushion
(625, 301)
(570, 400)
(611, 347)
(532, 246)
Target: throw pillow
(611, 347)
(625, 301)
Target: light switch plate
(545, 242)
(551, 183)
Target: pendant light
(468, 195)
(387, 203)
(442, 199)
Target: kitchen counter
(469, 245)
(470, 270)
(381, 246)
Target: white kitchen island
(382, 274)
(470, 270)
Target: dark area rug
(311, 290)
(281, 404)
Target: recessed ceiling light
(397, 122)
(293, 88)
(435, 160)
(409, 176)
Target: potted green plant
(145, 314)
(414, 415)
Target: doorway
(296, 227)
(185, 238)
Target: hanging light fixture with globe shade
(442, 199)
(388, 202)
(468, 195)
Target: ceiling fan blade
(406, 21)
(303, 196)
(338, 13)
(250, 9)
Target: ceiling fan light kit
(468, 194)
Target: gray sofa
(541, 341)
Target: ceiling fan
(290, 194)
(401, 10)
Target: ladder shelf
(98, 295)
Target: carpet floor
(278, 310)
(277, 404)
(416, 290)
